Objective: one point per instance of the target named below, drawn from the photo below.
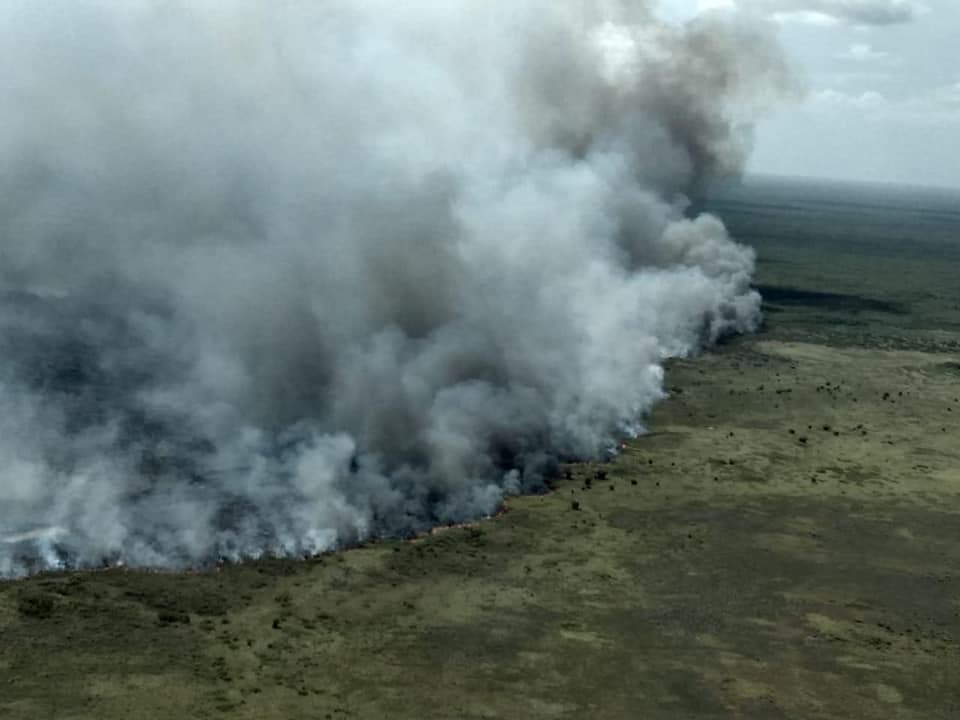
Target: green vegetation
(785, 543)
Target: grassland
(785, 543)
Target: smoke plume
(284, 276)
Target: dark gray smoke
(282, 276)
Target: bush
(170, 617)
(36, 605)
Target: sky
(880, 81)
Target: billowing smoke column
(277, 276)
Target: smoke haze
(287, 275)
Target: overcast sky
(882, 81)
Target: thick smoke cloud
(286, 275)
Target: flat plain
(783, 543)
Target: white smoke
(277, 276)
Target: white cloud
(864, 101)
(937, 106)
(862, 78)
(863, 53)
(825, 12)
(949, 95)
(940, 105)
(805, 17)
